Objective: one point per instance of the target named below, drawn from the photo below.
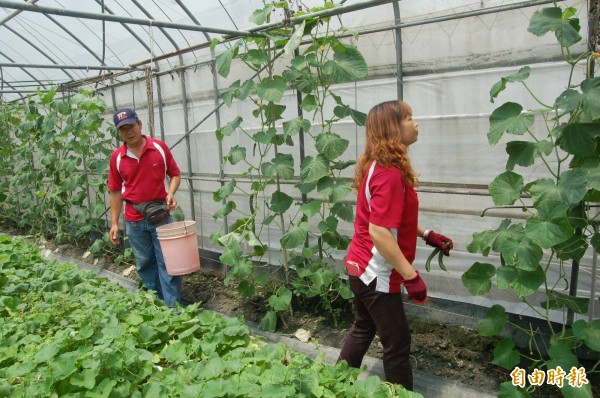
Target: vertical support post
(398, 33)
(187, 141)
(160, 108)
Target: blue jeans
(149, 260)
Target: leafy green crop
(65, 333)
(561, 223)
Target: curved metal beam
(26, 40)
(77, 39)
(164, 32)
(113, 18)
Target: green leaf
(334, 190)
(225, 210)
(523, 253)
(223, 62)
(508, 390)
(331, 145)
(505, 354)
(523, 153)
(311, 208)
(271, 89)
(520, 76)
(269, 321)
(265, 137)
(261, 15)
(590, 334)
(85, 379)
(309, 103)
(569, 100)
(591, 91)
(224, 191)
(295, 236)
(493, 322)
(550, 226)
(256, 57)
(312, 170)
(506, 188)
(280, 202)
(344, 211)
(579, 139)
(284, 166)
(281, 301)
(560, 301)
(347, 65)
(551, 19)
(508, 118)
(296, 39)
(572, 249)
(592, 168)
(294, 126)
(229, 128)
(478, 278)
(236, 154)
(571, 188)
(526, 283)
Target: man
(137, 174)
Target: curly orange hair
(384, 142)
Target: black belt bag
(154, 211)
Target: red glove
(417, 291)
(438, 240)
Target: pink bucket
(179, 247)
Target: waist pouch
(154, 211)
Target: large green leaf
(493, 322)
(281, 165)
(296, 39)
(229, 128)
(550, 226)
(335, 190)
(579, 138)
(347, 65)
(223, 62)
(311, 208)
(520, 76)
(236, 154)
(225, 210)
(590, 334)
(523, 253)
(312, 170)
(344, 211)
(478, 278)
(569, 100)
(524, 153)
(506, 188)
(256, 57)
(571, 188)
(331, 145)
(224, 191)
(294, 126)
(281, 300)
(269, 322)
(591, 91)
(280, 202)
(572, 249)
(261, 15)
(271, 89)
(505, 354)
(528, 282)
(551, 19)
(592, 168)
(295, 236)
(508, 118)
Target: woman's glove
(438, 240)
(417, 291)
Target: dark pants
(381, 313)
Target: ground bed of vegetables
(66, 333)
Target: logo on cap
(122, 115)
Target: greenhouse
(261, 111)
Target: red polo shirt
(141, 180)
(384, 200)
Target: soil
(450, 351)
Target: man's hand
(417, 291)
(171, 202)
(438, 240)
(114, 234)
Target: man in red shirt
(137, 173)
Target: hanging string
(149, 88)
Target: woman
(383, 248)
